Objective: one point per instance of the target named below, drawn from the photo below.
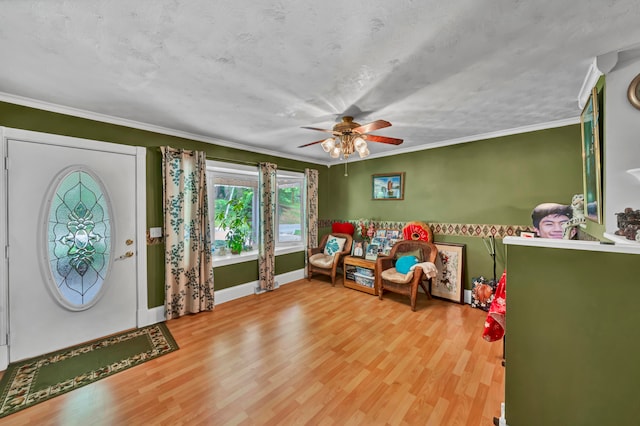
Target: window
(290, 208)
(226, 181)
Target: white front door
(71, 242)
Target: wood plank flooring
(305, 354)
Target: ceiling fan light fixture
(364, 152)
(328, 144)
(350, 137)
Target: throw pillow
(417, 253)
(404, 264)
(334, 245)
(343, 228)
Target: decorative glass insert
(79, 239)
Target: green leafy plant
(235, 219)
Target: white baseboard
(467, 297)
(247, 289)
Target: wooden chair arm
(383, 263)
(315, 250)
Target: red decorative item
(343, 228)
(494, 326)
(417, 231)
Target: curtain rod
(251, 163)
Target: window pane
(289, 212)
(243, 194)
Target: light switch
(155, 232)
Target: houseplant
(235, 220)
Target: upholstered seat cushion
(322, 260)
(396, 277)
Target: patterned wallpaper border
(453, 229)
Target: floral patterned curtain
(188, 263)
(311, 179)
(266, 242)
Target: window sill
(248, 256)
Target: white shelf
(620, 245)
(618, 239)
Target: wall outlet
(155, 232)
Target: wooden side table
(360, 274)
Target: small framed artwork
(591, 163)
(371, 252)
(388, 186)
(357, 249)
(448, 284)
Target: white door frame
(144, 315)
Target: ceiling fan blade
(382, 139)
(321, 130)
(312, 143)
(370, 127)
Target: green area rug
(28, 382)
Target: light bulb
(364, 152)
(328, 144)
(359, 143)
(335, 152)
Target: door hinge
(6, 163)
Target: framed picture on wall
(591, 165)
(388, 186)
(448, 284)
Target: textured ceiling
(253, 72)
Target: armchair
(326, 264)
(388, 279)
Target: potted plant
(235, 220)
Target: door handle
(124, 256)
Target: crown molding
(590, 80)
(75, 112)
(473, 138)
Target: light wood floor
(306, 353)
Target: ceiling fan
(349, 137)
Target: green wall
(27, 118)
(571, 346)
(494, 181)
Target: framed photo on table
(357, 249)
(371, 252)
(448, 284)
(389, 186)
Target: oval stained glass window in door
(79, 239)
